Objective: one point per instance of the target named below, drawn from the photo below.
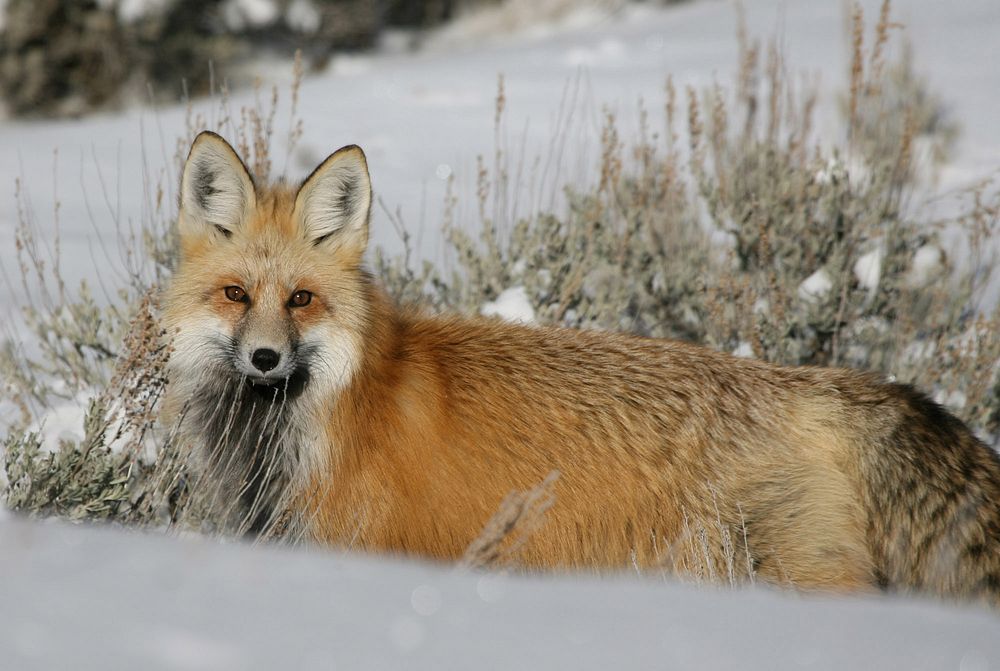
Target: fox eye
(236, 294)
(300, 299)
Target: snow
(868, 268)
(854, 170)
(100, 598)
(511, 305)
(130, 11)
(606, 53)
(302, 16)
(918, 352)
(953, 399)
(927, 267)
(815, 287)
(833, 169)
(534, 19)
(241, 14)
(62, 422)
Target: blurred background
(69, 57)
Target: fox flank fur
(305, 388)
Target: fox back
(305, 388)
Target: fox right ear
(334, 202)
(217, 191)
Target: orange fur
(428, 422)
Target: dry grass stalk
(611, 159)
(295, 125)
(519, 516)
(708, 552)
(670, 113)
(140, 377)
(857, 66)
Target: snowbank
(99, 598)
(511, 305)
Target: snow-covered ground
(116, 600)
(86, 598)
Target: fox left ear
(334, 202)
(217, 192)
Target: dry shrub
(99, 477)
(114, 352)
(824, 257)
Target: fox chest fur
(307, 390)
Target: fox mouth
(267, 381)
(279, 388)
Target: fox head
(269, 291)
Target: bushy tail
(934, 497)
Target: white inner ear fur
(216, 190)
(334, 202)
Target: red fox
(393, 431)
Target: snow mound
(928, 266)
(511, 305)
(953, 399)
(242, 14)
(62, 422)
(302, 16)
(130, 11)
(531, 18)
(868, 269)
(196, 604)
(815, 287)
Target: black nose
(265, 359)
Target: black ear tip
(211, 137)
(205, 136)
(351, 154)
(351, 150)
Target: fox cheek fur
(395, 431)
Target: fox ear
(216, 188)
(335, 201)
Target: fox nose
(265, 359)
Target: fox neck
(305, 432)
(253, 446)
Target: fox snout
(273, 371)
(265, 362)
